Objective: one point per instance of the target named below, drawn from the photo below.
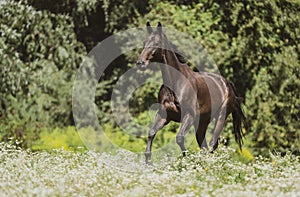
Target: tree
(39, 57)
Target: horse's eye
(153, 52)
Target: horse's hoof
(149, 163)
(203, 151)
(184, 153)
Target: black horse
(192, 98)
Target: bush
(255, 44)
(40, 54)
(59, 138)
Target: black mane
(180, 57)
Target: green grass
(63, 173)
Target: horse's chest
(171, 106)
(170, 103)
(173, 110)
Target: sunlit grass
(63, 173)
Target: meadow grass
(65, 173)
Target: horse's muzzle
(141, 64)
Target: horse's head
(153, 46)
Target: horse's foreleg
(187, 122)
(158, 124)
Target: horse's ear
(149, 28)
(159, 28)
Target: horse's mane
(180, 57)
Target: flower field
(63, 173)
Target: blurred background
(255, 44)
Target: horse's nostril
(140, 62)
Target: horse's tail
(238, 118)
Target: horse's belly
(210, 96)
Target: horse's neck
(173, 71)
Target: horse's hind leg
(159, 123)
(200, 133)
(219, 125)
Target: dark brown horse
(192, 98)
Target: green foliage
(119, 13)
(264, 53)
(131, 137)
(196, 21)
(38, 60)
(255, 44)
(144, 97)
(64, 138)
(244, 155)
(274, 102)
